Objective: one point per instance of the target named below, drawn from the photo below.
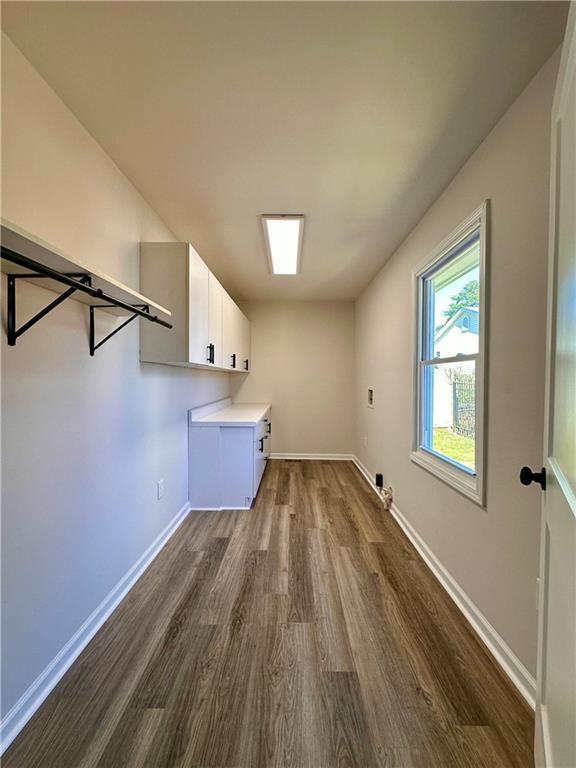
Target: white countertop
(233, 415)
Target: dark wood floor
(305, 632)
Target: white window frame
(467, 482)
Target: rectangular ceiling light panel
(283, 233)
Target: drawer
(262, 446)
(264, 426)
(259, 467)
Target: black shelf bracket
(76, 282)
(12, 332)
(93, 345)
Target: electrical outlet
(160, 489)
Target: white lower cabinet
(228, 446)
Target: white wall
(84, 440)
(303, 363)
(491, 552)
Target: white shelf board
(22, 242)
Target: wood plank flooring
(305, 632)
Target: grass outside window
(457, 447)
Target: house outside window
(450, 359)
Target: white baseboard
(219, 509)
(314, 456)
(500, 650)
(17, 717)
(543, 753)
(366, 474)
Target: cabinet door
(198, 303)
(231, 336)
(164, 269)
(236, 467)
(244, 344)
(204, 467)
(215, 300)
(261, 453)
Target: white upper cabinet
(236, 340)
(210, 330)
(244, 326)
(216, 296)
(229, 342)
(198, 323)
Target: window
(449, 375)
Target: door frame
(542, 745)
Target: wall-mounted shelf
(25, 257)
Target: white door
(555, 739)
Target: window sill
(461, 481)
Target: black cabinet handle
(527, 477)
(233, 356)
(269, 425)
(246, 365)
(210, 357)
(261, 449)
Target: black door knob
(527, 477)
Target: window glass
(450, 350)
(449, 412)
(451, 294)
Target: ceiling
(354, 114)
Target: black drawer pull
(246, 365)
(210, 357)
(233, 356)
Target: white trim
(500, 650)
(17, 717)
(472, 357)
(366, 474)
(543, 753)
(542, 738)
(314, 456)
(546, 736)
(217, 509)
(459, 479)
(473, 486)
